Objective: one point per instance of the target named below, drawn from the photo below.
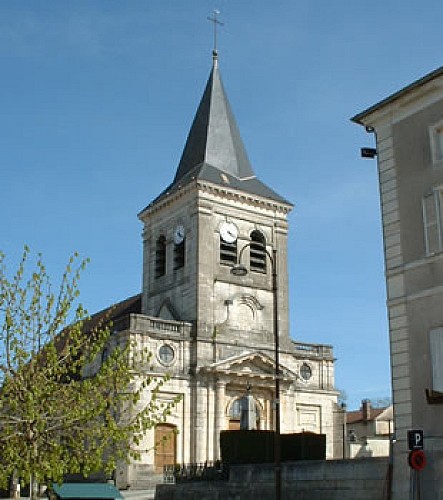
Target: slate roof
(214, 137)
(114, 312)
(214, 150)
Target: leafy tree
(64, 406)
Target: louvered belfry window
(160, 256)
(228, 252)
(179, 255)
(257, 252)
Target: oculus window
(166, 354)
(305, 371)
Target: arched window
(179, 254)
(235, 412)
(257, 253)
(160, 256)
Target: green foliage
(65, 408)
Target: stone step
(132, 494)
(146, 482)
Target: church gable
(254, 364)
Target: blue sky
(97, 98)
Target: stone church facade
(212, 331)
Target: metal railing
(141, 322)
(316, 350)
(206, 471)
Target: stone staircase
(143, 488)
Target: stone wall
(363, 479)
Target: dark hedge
(253, 447)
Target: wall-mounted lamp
(368, 153)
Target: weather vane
(214, 19)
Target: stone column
(200, 428)
(219, 415)
(192, 422)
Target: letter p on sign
(415, 439)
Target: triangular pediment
(167, 311)
(252, 364)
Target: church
(211, 330)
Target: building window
(436, 133)
(436, 350)
(433, 220)
(228, 252)
(305, 371)
(257, 252)
(179, 255)
(160, 257)
(235, 410)
(166, 354)
(235, 414)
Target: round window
(305, 371)
(166, 354)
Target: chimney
(366, 410)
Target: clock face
(228, 232)
(179, 234)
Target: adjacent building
(408, 127)
(370, 431)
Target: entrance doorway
(235, 415)
(165, 446)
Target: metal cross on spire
(214, 19)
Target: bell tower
(194, 232)
(215, 216)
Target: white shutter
(431, 216)
(439, 143)
(436, 349)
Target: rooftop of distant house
(368, 413)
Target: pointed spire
(214, 138)
(214, 151)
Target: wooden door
(234, 425)
(165, 446)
